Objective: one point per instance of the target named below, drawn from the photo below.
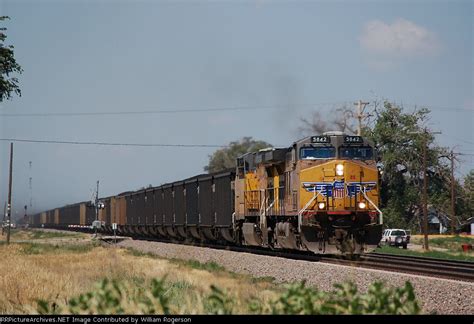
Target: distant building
(467, 226)
(438, 221)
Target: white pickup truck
(395, 237)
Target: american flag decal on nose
(338, 191)
(327, 189)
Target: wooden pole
(453, 210)
(425, 196)
(9, 206)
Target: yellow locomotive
(321, 194)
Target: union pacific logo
(338, 189)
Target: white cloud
(400, 39)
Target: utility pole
(424, 133)
(31, 186)
(453, 198)
(96, 207)
(4, 217)
(9, 205)
(452, 157)
(360, 114)
(26, 215)
(425, 194)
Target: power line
(164, 111)
(108, 143)
(198, 110)
(445, 108)
(460, 140)
(431, 107)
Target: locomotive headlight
(321, 205)
(340, 169)
(362, 205)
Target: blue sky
(89, 56)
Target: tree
(225, 158)
(468, 193)
(399, 138)
(8, 65)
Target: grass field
(46, 275)
(31, 234)
(430, 254)
(56, 273)
(450, 245)
(450, 242)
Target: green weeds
(161, 297)
(35, 248)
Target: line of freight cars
(201, 207)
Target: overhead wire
(459, 139)
(198, 110)
(444, 108)
(164, 111)
(110, 143)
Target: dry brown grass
(57, 274)
(47, 236)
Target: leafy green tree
(468, 195)
(225, 158)
(8, 66)
(400, 138)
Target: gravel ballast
(441, 296)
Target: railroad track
(440, 268)
(450, 269)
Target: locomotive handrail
(270, 206)
(263, 219)
(262, 206)
(370, 201)
(300, 213)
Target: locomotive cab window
(356, 152)
(314, 152)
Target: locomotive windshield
(354, 152)
(312, 153)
